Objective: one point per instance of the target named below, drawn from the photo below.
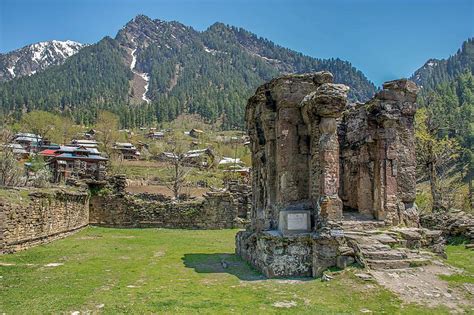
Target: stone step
(362, 225)
(373, 247)
(384, 255)
(396, 264)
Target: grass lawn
(459, 256)
(170, 271)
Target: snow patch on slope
(134, 60)
(145, 76)
(210, 50)
(64, 49)
(12, 71)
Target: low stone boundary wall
(218, 210)
(40, 217)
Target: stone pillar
(321, 110)
(330, 204)
(393, 111)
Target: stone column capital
(329, 100)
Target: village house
(18, 150)
(195, 158)
(29, 141)
(156, 135)
(229, 163)
(196, 133)
(90, 134)
(80, 162)
(127, 150)
(86, 143)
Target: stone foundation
(299, 255)
(40, 217)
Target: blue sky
(386, 39)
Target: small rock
(54, 264)
(224, 264)
(364, 276)
(326, 277)
(285, 304)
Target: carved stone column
(321, 110)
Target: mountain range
(154, 70)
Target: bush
(42, 178)
(11, 173)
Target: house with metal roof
(87, 143)
(127, 150)
(79, 162)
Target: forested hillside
(211, 73)
(435, 71)
(94, 78)
(445, 139)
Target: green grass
(14, 196)
(170, 271)
(459, 256)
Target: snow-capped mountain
(36, 57)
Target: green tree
(435, 157)
(107, 126)
(43, 124)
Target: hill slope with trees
(211, 73)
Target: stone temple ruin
(317, 161)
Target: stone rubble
(452, 224)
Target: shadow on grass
(222, 263)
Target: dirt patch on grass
(423, 285)
(89, 237)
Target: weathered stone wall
(217, 211)
(242, 194)
(378, 155)
(40, 217)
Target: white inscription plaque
(297, 221)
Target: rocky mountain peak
(36, 57)
(142, 31)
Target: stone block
(342, 262)
(294, 222)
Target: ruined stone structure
(217, 211)
(315, 157)
(378, 155)
(42, 216)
